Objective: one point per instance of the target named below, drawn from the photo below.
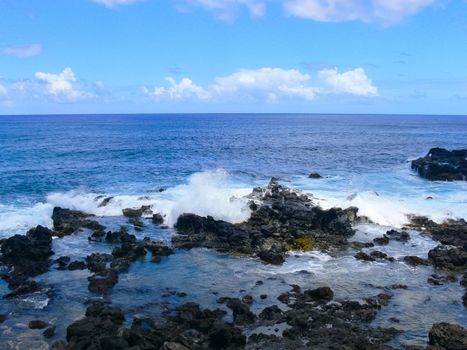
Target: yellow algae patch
(303, 243)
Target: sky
(229, 56)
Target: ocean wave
(213, 193)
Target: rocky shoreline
(282, 220)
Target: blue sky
(155, 56)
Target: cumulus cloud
(353, 82)
(61, 86)
(275, 83)
(228, 9)
(179, 91)
(22, 50)
(114, 3)
(269, 84)
(386, 11)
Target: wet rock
(448, 336)
(415, 261)
(376, 254)
(381, 240)
(157, 248)
(120, 265)
(315, 176)
(450, 232)
(321, 293)
(272, 257)
(27, 287)
(77, 265)
(49, 332)
(68, 221)
(130, 251)
(98, 330)
(241, 312)
(401, 236)
(105, 201)
(120, 236)
(137, 224)
(363, 256)
(284, 218)
(247, 299)
(62, 262)
(439, 280)
(157, 219)
(449, 258)
(271, 313)
(37, 324)
(136, 213)
(26, 256)
(97, 262)
(441, 164)
(102, 281)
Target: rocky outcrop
(441, 164)
(448, 336)
(67, 222)
(28, 256)
(449, 258)
(281, 220)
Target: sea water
(206, 164)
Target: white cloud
(3, 92)
(275, 83)
(114, 3)
(354, 82)
(60, 86)
(228, 9)
(179, 91)
(386, 11)
(268, 84)
(22, 51)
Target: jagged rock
(450, 232)
(449, 258)
(77, 265)
(401, 236)
(136, 213)
(37, 324)
(283, 218)
(241, 312)
(102, 281)
(441, 164)
(364, 256)
(415, 260)
(67, 221)
(158, 219)
(448, 336)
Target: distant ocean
(205, 159)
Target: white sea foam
(211, 193)
(388, 199)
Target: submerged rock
(441, 164)
(284, 220)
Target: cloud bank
(268, 84)
(387, 11)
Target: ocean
(206, 164)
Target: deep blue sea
(206, 163)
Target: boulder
(441, 164)
(448, 336)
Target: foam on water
(212, 193)
(388, 199)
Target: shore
(214, 284)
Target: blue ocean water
(137, 154)
(206, 164)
